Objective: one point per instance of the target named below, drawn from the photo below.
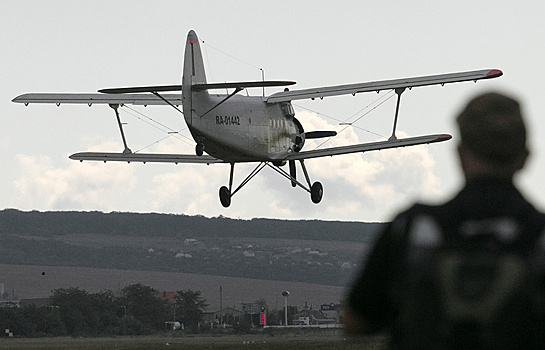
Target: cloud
(368, 183)
(191, 190)
(78, 186)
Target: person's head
(492, 137)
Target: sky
(69, 46)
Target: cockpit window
(287, 109)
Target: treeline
(72, 311)
(47, 224)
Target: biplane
(233, 128)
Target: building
(168, 296)
(332, 310)
(228, 315)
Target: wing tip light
(444, 137)
(494, 73)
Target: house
(229, 315)
(311, 317)
(168, 296)
(332, 310)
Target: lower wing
(144, 158)
(325, 152)
(371, 146)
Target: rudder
(193, 72)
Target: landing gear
(316, 192)
(199, 149)
(225, 192)
(225, 196)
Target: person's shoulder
(401, 223)
(420, 209)
(422, 215)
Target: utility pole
(285, 294)
(221, 306)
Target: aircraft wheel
(225, 196)
(316, 192)
(199, 149)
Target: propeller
(300, 139)
(319, 134)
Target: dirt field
(29, 281)
(301, 341)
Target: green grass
(250, 342)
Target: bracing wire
(148, 118)
(229, 55)
(156, 142)
(208, 65)
(206, 45)
(376, 103)
(159, 126)
(341, 122)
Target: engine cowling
(299, 140)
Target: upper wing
(89, 99)
(137, 95)
(372, 146)
(321, 92)
(145, 157)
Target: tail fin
(193, 72)
(193, 62)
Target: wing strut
(399, 91)
(237, 90)
(167, 101)
(115, 107)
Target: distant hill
(312, 251)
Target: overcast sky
(76, 46)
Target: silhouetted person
(467, 274)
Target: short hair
(492, 129)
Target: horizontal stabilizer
(199, 87)
(371, 146)
(242, 85)
(144, 158)
(140, 89)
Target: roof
(168, 296)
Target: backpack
(471, 285)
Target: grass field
(250, 342)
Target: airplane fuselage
(243, 128)
(233, 127)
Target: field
(296, 341)
(28, 281)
